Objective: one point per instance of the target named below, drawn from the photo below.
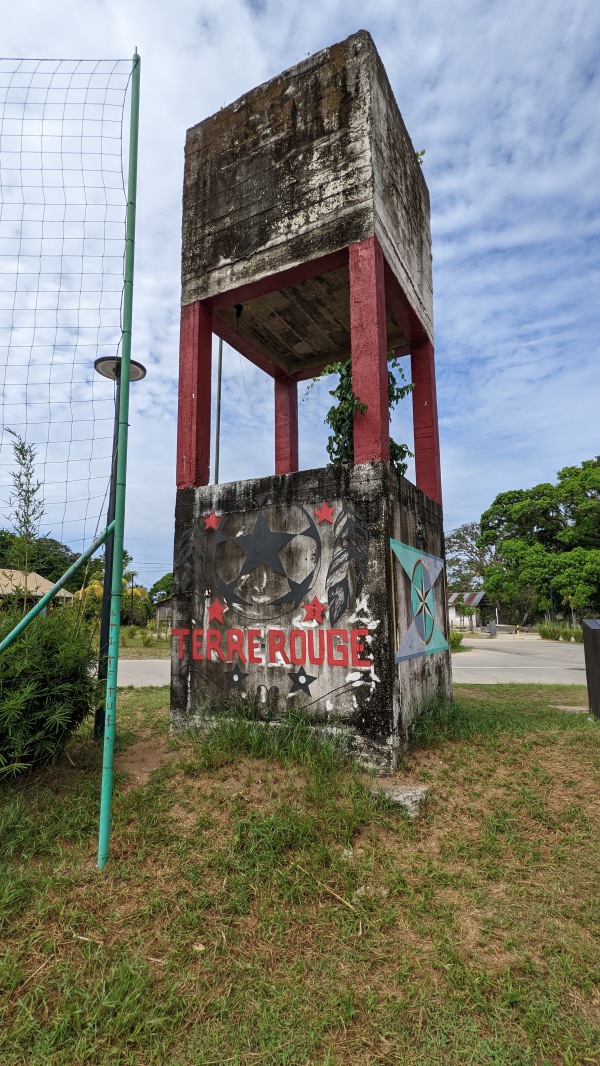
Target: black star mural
(227, 592)
(271, 581)
(298, 590)
(301, 681)
(263, 546)
(235, 677)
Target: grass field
(137, 643)
(261, 906)
(133, 648)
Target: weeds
(456, 640)
(242, 731)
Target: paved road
(488, 662)
(139, 672)
(526, 659)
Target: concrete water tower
(306, 241)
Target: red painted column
(286, 425)
(193, 419)
(425, 419)
(369, 351)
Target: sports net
(62, 241)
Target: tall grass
(560, 631)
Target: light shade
(109, 367)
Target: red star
(215, 611)
(314, 610)
(212, 521)
(324, 513)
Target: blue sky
(503, 96)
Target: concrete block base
(320, 590)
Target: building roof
(11, 581)
(470, 599)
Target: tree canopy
(546, 542)
(162, 589)
(559, 517)
(45, 556)
(467, 559)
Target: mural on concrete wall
(269, 597)
(423, 637)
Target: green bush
(560, 631)
(456, 639)
(570, 633)
(47, 687)
(147, 639)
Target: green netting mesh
(62, 237)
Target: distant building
(15, 584)
(480, 603)
(164, 611)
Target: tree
(467, 559)
(136, 605)
(577, 581)
(465, 612)
(519, 580)
(26, 507)
(547, 545)
(162, 589)
(565, 515)
(51, 559)
(7, 540)
(579, 494)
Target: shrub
(147, 639)
(47, 687)
(560, 631)
(132, 632)
(456, 639)
(570, 633)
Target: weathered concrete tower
(306, 241)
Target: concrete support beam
(286, 425)
(193, 419)
(425, 420)
(369, 351)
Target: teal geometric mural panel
(423, 637)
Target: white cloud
(503, 97)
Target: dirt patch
(569, 708)
(141, 758)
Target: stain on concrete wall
(301, 167)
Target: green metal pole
(121, 474)
(45, 600)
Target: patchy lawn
(261, 906)
(143, 645)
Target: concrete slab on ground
(526, 659)
(144, 672)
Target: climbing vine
(340, 417)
